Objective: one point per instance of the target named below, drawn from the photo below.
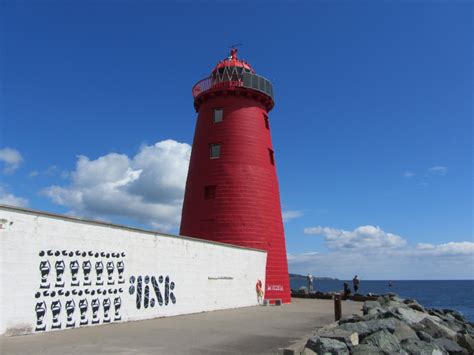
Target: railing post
(337, 307)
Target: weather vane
(233, 51)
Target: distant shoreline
(298, 276)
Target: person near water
(310, 282)
(347, 289)
(356, 283)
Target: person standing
(310, 282)
(356, 283)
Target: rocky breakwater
(391, 325)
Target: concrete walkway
(252, 330)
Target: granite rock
(437, 330)
(450, 346)
(466, 341)
(366, 349)
(383, 340)
(327, 346)
(418, 347)
(403, 331)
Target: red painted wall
(246, 209)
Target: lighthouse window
(209, 192)
(215, 151)
(267, 124)
(272, 158)
(218, 113)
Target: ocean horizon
(440, 294)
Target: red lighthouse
(232, 193)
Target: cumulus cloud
(11, 159)
(147, 188)
(7, 198)
(362, 237)
(289, 215)
(373, 253)
(438, 170)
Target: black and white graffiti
(143, 287)
(95, 311)
(86, 268)
(68, 297)
(56, 311)
(74, 266)
(106, 306)
(120, 270)
(99, 269)
(59, 266)
(70, 307)
(83, 306)
(110, 271)
(117, 306)
(40, 309)
(45, 268)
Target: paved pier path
(251, 330)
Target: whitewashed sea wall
(59, 273)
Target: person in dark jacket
(356, 283)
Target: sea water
(457, 295)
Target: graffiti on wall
(79, 288)
(70, 294)
(161, 291)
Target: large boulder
(418, 347)
(424, 336)
(437, 330)
(413, 304)
(412, 316)
(383, 340)
(366, 349)
(370, 305)
(466, 341)
(458, 316)
(368, 327)
(403, 332)
(450, 346)
(353, 318)
(347, 337)
(327, 346)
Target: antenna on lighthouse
(233, 51)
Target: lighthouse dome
(232, 74)
(233, 62)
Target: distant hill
(303, 277)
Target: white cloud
(289, 215)
(373, 253)
(147, 188)
(438, 170)
(409, 174)
(7, 198)
(362, 237)
(11, 159)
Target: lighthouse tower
(232, 193)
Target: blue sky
(372, 127)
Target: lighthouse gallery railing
(246, 80)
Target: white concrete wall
(196, 275)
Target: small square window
(218, 114)
(215, 151)
(267, 123)
(272, 158)
(209, 192)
